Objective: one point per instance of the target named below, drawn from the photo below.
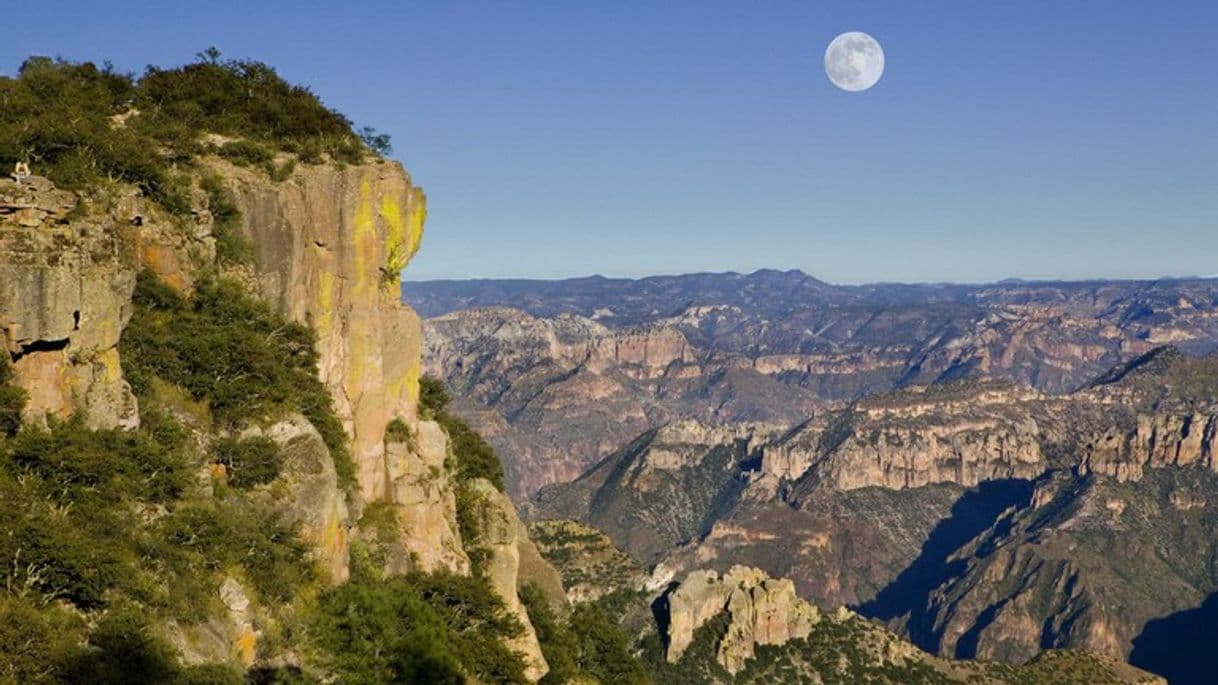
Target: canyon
(956, 462)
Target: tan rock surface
(65, 291)
(500, 534)
(762, 610)
(330, 243)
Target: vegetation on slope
(107, 532)
(587, 645)
(12, 399)
(84, 126)
(418, 628)
(233, 353)
(114, 534)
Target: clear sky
(1044, 138)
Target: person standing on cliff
(21, 172)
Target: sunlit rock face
(762, 611)
(66, 280)
(329, 245)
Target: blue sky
(1006, 139)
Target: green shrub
(216, 535)
(416, 629)
(473, 457)
(210, 674)
(398, 431)
(70, 490)
(231, 246)
(245, 153)
(237, 98)
(469, 506)
(249, 461)
(604, 650)
(12, 399)
(281, 172)
(433, 396)
(123, 650)
(34, 642)
(56, 114)
(231, 351)
(558, 645)
(63, 117)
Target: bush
(12, 399)
(122, 650)
(237, 98)
(57, 115)
(34, 643)
(69, 490)
(249, 461)
(433, 396)
(398, 431)
(63, 117)
(246, 153)
(231, 351)
(558, 645)
(231, 246)
(416, 629)
(603, 647)
(281, 172)
(216, 535)
(473, 457)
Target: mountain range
(991, 471)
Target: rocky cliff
(328, 243)
(757, 630)
(761, 611)
(66, 277)
(978, 517)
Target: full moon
(854, 61)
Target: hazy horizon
(406, 279)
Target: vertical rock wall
(65, 296)
(330, 242)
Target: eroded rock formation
(66, 278)
(761, 610)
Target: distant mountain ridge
(561, 373)
(663, 295)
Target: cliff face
(328, 244)
(329, 248)
(981, 518)
(65, 293)
(554, 395)
(754, 629)
(762, 611)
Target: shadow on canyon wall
(1180, 646)
(907, 595)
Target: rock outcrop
(330, 244)
(502, 536)
(66, 278)
(313, 498)
(1156, 441)
(907, 440)
(422, 492)
(761, 610)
